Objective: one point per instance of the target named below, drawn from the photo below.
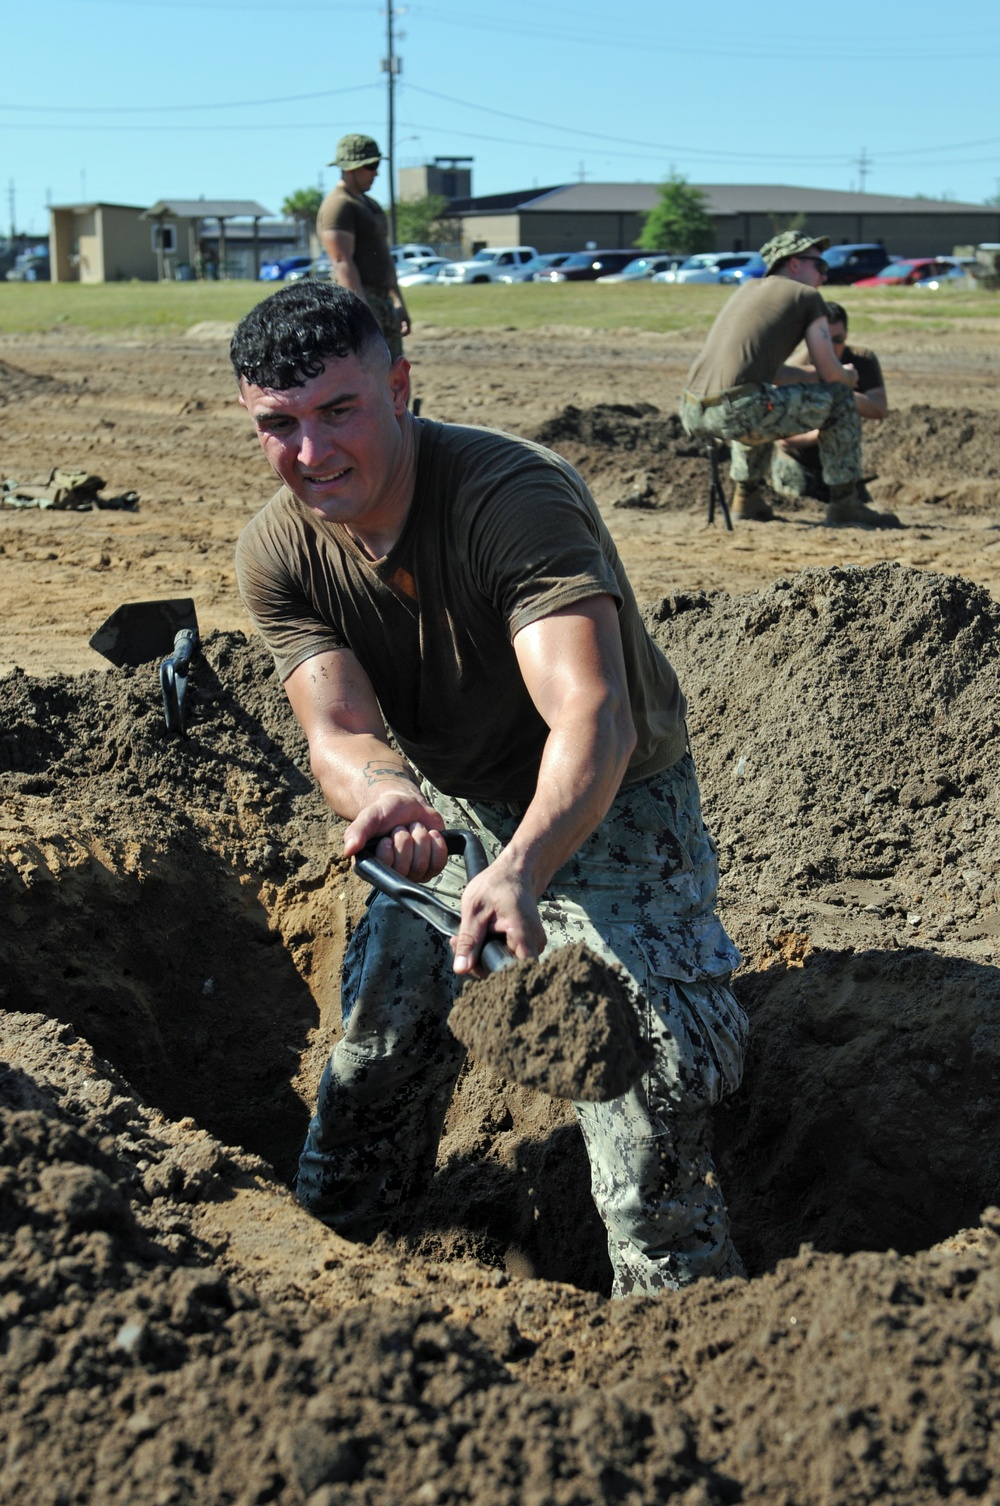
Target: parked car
(31, 266)
(420, 270)
(716, 266)
(411, 251)
(955, 273)
(489, 265)
(852, 262)
(318, 268)
(277, 271)
(587, 266)
(532, 269)
(642, 268)
(898, 274)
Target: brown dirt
(564, 1026)
(173, 1328)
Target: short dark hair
(289, 337)
(835, 312)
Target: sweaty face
(337, 442)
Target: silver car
(643, 268)
(717, 266)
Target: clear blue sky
(129, 101)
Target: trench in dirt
(182, 905)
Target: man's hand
(409, 833)
(499, 900)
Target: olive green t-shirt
(501, 532)
(754, 334)
(364, 218)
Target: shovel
(423, 902)
(143, 630)
(563, 1026)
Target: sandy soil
(173, 1328)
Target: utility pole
(864, 165)
(392, 65)
(10, 201)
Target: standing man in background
(355, 236)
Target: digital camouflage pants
(640, 892)
(751, 423)
(387, 314)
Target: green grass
(27, 308)
(113, 307)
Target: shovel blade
(143, 630)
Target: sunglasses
(817, 261)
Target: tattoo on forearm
(374, 773)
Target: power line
(234, 104)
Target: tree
(679, 221)
(302, 206)
(423, 220)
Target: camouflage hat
(356, 151)
(790, 243)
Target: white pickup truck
(488, 265)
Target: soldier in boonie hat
(740, 389)
(356, 151)
(789, 243)
(354, 233)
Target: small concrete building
(99, 243)
(567, 217)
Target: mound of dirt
(174, 1328)
(564, 1026)
(17, 385)
(631, 454)
(947, 445)
(844, 724)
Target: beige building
(745, 215)
(174, 239)
(99, 243)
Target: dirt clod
(564, 1026)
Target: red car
(905, 273)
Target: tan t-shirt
(755, 333)
(501, 532)
(364, 218)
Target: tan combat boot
(846, 510)
(749, 505)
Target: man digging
(461, 645)
(740, 389)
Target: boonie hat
(790, 243)
(357, 151)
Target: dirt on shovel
(563, 1026)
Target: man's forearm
(583, 763)
(355, 769)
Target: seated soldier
(795, 463)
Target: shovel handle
(421, 901)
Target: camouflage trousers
(641, 893)
(753, 421)
(387, 314)
(799, 475)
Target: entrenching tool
(420, 900)
(143, 630)
(563, 1026)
